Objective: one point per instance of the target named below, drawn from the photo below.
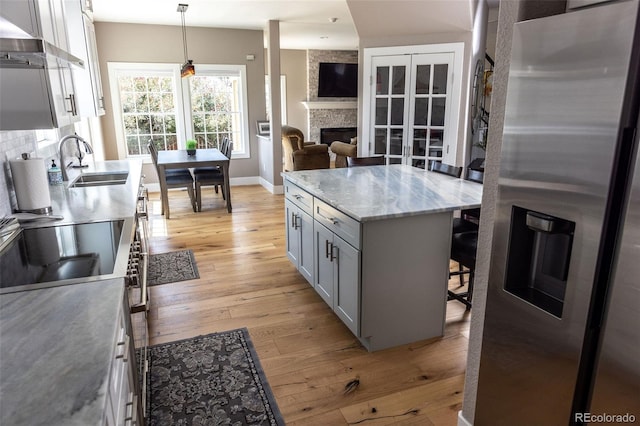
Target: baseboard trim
(462, 421)
(276, 190)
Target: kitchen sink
(99, 179)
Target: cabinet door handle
(124, 356)
(330, 219)
(326, 248)
(130, 409)
(332, 257)
(297, 196)
(70, 99)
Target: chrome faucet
(63, 166)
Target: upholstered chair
(344, 150)
(301, 155)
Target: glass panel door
(431, 91)
(389, 108)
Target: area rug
(210, 380)
(172, 267)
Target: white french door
(390, 107)
(413, 103)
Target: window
(216, 106)
(152, 102)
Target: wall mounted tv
(338, 80)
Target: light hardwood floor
(308, 355)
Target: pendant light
(187, 68)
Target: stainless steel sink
(99, 179)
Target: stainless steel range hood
(19, 49)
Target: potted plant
(191, 147)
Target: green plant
(191, 144)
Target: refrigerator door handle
(540, 223)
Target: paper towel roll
(31, 184)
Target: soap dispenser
(55, 174)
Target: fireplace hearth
(342, 134)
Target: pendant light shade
(187, 68)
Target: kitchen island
(374, 242)
(65, 350)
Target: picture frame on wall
(263, 128)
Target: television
(337, 80)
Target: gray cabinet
(299, 239)
(385, 278)
(320, 243)
(123, 402)
(338, 275)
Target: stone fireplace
(328, 112)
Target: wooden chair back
(475, 175)
(153, 150)
(365, 161)
(439, 167)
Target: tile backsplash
(12, 144)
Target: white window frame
(182, 99)
(214, 70)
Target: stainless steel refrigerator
(561, 342)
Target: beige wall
(163, 44)
(293, 64)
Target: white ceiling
(304, 24)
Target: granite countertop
(383, 192)
(57, 344)
(56, 350)
(95, 203)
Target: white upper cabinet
(54, 92)
(82, 43)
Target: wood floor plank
(307, 353)
(411, 404)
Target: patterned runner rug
(210, 380)
(172, 267)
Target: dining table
(180, 159)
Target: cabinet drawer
(339, 223)
(299, 197)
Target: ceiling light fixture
(187, 68)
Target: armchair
(300, 155)
(344, 150)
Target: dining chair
(365, 161)
(214, 169)
(464, 247)
(469, 218)
(464, 243)
(174, 178)
(446, 169)
(211, 176)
